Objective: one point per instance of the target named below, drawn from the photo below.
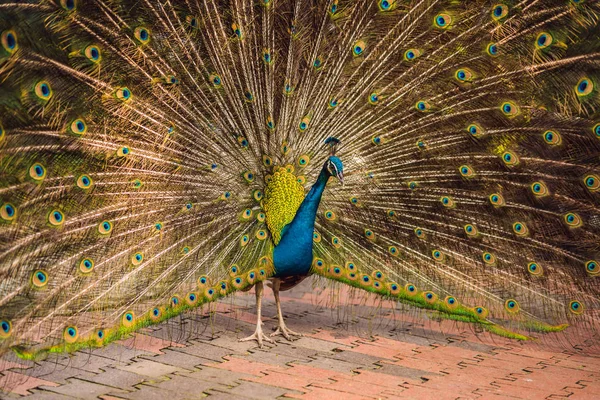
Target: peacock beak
(340, 176)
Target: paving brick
(6, 365)
(82, 389)
(87, 361)
(146, 392)
(179, 331)
(254, 390)
(233, 344)
(148, 343)
(14, 382)
(318, 393)
(316, 344)
(218, 376)
(427, 393)
(118, 353)
(361, 360)
(293, 350)
(373, 350)
(39, 394)
(551, 379)
(177, 359)
(218, 395)
(118, 378)
(314, 370)
(350, 386)
(149, 368)
(272, 357)
(208, 352)
(296, 382)
(408, 373)
(187, 387)
(430, 367)
(237, 364)
(357, 347)
(335, 336)
(53, 372)
(377, 378)
(329, 364)
(238, 314)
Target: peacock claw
(259, 336)
(285, 332)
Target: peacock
(156, 156)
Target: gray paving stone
(233, 344)
(317, 344)
(403, 336)
(331, 364)
(228, 323)
(180, 331)
(146, 392)
(273, 357)
(353, 357)
(118, 378)
(291, 349)
(254, 390)
(119, 354)
(398, 370)
(187, 387)
(81, 389)
(40, 395)
(216, 395)
(50, 371)
(217, 375)
(177, 359)
(149, 368)
(206, 350)
(12, 358)
(87, 361)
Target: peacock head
(334, 167)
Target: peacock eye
(330, 167)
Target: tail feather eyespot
(451, 302)
(576, 307)
(511, 306)
(9, 41)
(86, 265)
(71, 334)
(128, 319)
(142, 35)
(5, 329)
(535, 269)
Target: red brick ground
(356, 347)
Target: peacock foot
(285, 332)
(259, 336)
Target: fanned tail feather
(137, 138)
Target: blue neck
(310, 204)
(293, 254)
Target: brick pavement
(356, 347)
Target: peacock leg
(258, 335)
(281, 329)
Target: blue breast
(293, 254)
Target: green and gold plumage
(153, 154)
(283, 195)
